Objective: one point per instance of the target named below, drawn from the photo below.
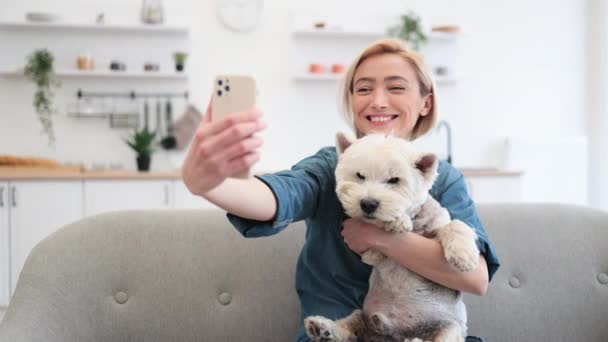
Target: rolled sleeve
(455, 198)
(254, 228)
(296, 192)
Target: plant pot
(179, 67)
(143, 163)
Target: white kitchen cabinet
(495, 189)
(37, 209)
(4, 245)
(102, 196)
(184, 199)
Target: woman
(386, 89)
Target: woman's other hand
(360, 236)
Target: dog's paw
(372, 257)
(400, 225)
(413, 340)
(463, 258)
(320, 329)
(459, 247)
(380, 323)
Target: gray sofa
(189, 276)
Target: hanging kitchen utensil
(123, 115)
(123, 121)
(146, 115)
(185, 126)
(159, 119)
(169, 142)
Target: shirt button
(514, 282)
(225, 298)
(121, 297)
(602, 278)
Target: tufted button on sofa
(189, 276)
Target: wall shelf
(107, 74)
(354, 34)
(317, 77)
(335, 77)
(328, 46)
(113, 28)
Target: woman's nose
(379, 100)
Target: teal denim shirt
(331, 280)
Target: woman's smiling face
(386, 96)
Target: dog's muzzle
(369, 205)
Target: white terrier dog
(385, 181)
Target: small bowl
(41, 17)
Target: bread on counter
(16, 161)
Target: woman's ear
(428, 104)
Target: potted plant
(39, 69)
(410, 30)
(141, 142)
(180, 60)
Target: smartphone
(232, 94)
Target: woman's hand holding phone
(222, 148)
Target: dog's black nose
(369, 205)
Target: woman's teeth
(381, 118)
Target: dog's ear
(427, 164)
(342, 142)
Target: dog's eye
(360, 176)
(394, 180)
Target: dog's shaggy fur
(385, 181)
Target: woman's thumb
(207, 117)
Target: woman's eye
(397, 88)
(394, 180)
(360, 176)
(362, 90)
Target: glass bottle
(152, 12)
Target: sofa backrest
(553, 281)
(189, 276)
(156, 276)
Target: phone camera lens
(219, 93)
(227, 88)
(219, 82)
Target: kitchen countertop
(24, 173)
(489, 172)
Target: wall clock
(240, 15)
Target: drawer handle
(166, 195)
(14, 196)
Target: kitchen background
(522, 86)
(526, 90)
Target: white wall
(78, 140)
(524, 67)
(598, 104)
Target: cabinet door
(4, 246)
(114, 195)
(184, 199)
(487, 189)
(38, 208)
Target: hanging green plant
(410, 30)
(39, 69)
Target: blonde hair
(425, 82)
